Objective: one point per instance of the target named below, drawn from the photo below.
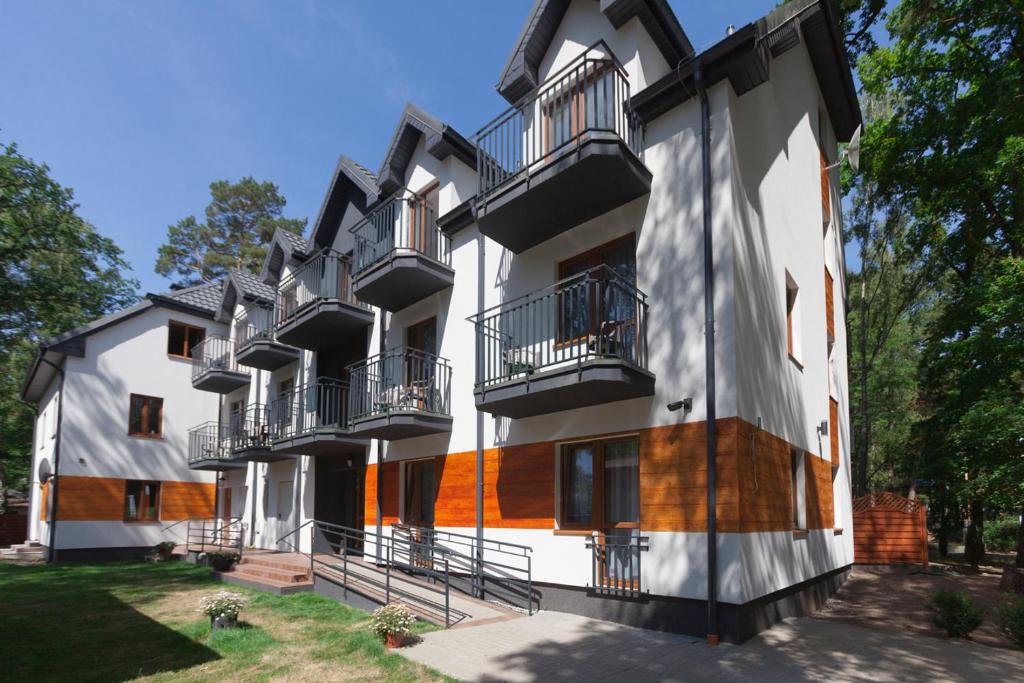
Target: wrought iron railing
(400, 380)
(205, 535)
(615, 565)
(404, 223)
(588, 95)
(596, 314)
(250, 428)
(208, 441)
(214, 353)
(322, 404)
(327, 276)
(255, 323)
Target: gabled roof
(745, 58)
(351, 182)
(442, 141)
(284, 246)
(201, 300)
(245, 286)
(519, 76)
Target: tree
(952, 151)
(240, 221)
(56, 272)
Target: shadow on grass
(65, 623)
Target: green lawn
(127, 621)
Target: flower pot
(223, 622)
(393, 640)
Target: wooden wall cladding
(889, 529)
(830, 305)
(44, 500)
(753, 483)
(186, 500)
(101, 499)
(833, 430)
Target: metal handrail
(589, 94)
(208, 441)
(215, 352)
(221, 532)
(400, 380)
(596, 314)
(323, 404)
(326, 276)
(254, 323)
(250, 429)
(615, 567)
(403, 223)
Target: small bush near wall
(955, 613)
(1001, 534)
(1010, 618)
(221, 560)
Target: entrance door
(339, 500)
(420, 495)
(225, 502)
(285, 509)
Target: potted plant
(221, 560)
(162, 551)
(222, 608)
(392, 624)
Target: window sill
(174, 356)
(572, 532)
(139, 522)
(146, 437)
(797, 363)
(799, 534)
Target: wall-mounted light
(823, 428)
(686, 404)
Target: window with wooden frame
(796, 498)
(826, 191)
(581, 311)
(422, 216)
(420, 492)
(181, 337)
(145, 416)
(600, 488)
(583, 102)
(793, 346)
(141, 501)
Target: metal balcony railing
(208, 441)
(400, 380)
(214, 353)
(327, 276)
(615, 563)
(588, 95)
(322, 404)
(254, 323)
(404, 223)
(596, 314)
(250, 428)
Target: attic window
(182, 337)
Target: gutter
(51, 556)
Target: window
(792, 319)
(141, 501)
(422, 216)
(145, 416)
(420, 493)
(181, 338)
(600, 488)
(826, 194)
(284, 402)
(577, 105)
(796, 462)
(586, 308)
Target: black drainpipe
(709, 350)
(481, 261)
(52, 555)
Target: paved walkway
(552, 646)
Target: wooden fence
(889, 529)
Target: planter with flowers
(221, 560)
(222, 608)
(392, 624)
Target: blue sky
(139, 105)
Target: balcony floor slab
(323, 323)
(322, 442)
(402, 279)
(266, 354)
(402, 425)
(220, 381)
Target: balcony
(315, 304)
(209, 449)
(579, 342)
(568, 153)
(214, 367)
(255, 345)
(313, 420)
(400, 394)
(400, 255)
(250, 435)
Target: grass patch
(126, 621)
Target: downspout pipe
(479, 555)
(709, 351)
(52, 555)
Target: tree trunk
(1020, 543)
(974, 543)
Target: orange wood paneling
(519, 483)
(830, 310)
(891, 531)
(833, 430)
(818, 478)
(826, 199)
(186, 500)
(44, 500)
(90, 498)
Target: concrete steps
(24, 552)
(282, 574)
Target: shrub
(164, 549)
(1001, 534)
(221, 560)
(222, 605)
(392, 623)
(955, 613)
(1010, 618)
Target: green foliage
(221, 560)
(395, 621)
(955, 613)
(1001, 534)
(56, 272)
(240, 222)
(1010, 618)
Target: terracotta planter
(393, 640)
(222, 622)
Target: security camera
(686, 404)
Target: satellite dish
(852, 151)
(43, 471)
